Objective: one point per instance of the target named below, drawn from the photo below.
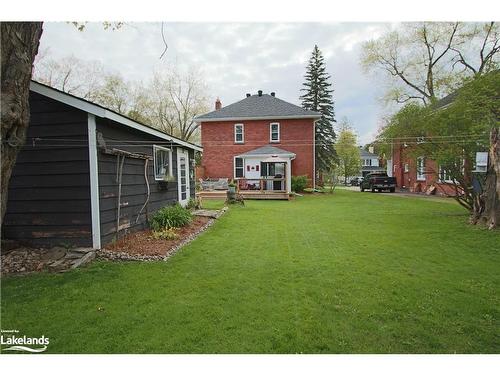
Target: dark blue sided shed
(87, 174)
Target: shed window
(238, 167)
(239, 136)
(275, 132)
(421, 168)
(162, 162)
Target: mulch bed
(143, 244)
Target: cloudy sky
(236, 58)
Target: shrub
(299, 183)
(174, 216)
(165, 234)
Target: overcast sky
(237, 58)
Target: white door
(183, 176)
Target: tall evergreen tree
(318, 97)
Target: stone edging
(114, 255)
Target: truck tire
(373, 189)
(392, 190)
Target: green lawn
(342, 273)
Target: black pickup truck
(378, 181)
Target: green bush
(165, 234)
(174, 216)
(299, 183)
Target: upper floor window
(162, 159)
(420, 168)
(274, 129)
(239, 135)
(367, 162)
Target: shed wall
(49, 191)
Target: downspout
(314, 153)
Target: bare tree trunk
(487, 204)
(19, 46)
(491, 214)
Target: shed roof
(258, 107)
(103, 112)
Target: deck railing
(277, 184)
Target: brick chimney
(218, 104)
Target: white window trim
(242, 133)
(234, 167)
(94, 182)
(446, 180)
(421, 177)
(271, 140)
(155, 147)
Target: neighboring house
(260, 141)
(419, 174)
(369, 162)
(87, 174)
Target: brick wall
(409, 180)
(219, 149)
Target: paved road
(401, 194)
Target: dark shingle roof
(368, 168)
(447, 100)
(267, 150)
(257, 107)
(367, 154)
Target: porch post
(288, 176)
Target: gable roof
(367, 154)
(257, 107)
(104, 112)
(268, 150)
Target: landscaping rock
(56, 259)
(87, 258)
(55, 253)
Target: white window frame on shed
(155, 163)
(271, 140)
(236, 133)
(421, 168)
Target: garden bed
(142, 246)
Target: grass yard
(341, 273)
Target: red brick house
(422, 174)
(260, 141)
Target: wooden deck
(247, 194)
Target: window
(238, 167)
(274, 129)
(421, 168)
(407, 168)
(162, 158)
(444, 175)
(367, 162)
(239, 136)
(481, 162)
